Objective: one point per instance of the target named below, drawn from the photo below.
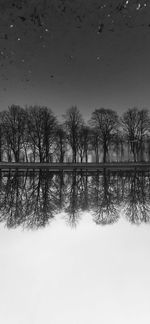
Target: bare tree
(144, 132)
(94, 143)
(104, 201)
(118, 144)
(13, 124)
(73, 208)
(61, 144)
(105, 122)
(136, 198)
(41, 127)
(1, 140)
(84, 140)
(136, 126)
(73, 123)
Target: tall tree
(118, 145)
(84, 140)
(41, 127)
(105, 122)
(13, 124)
(136, 127)
(73, 123)
(94, 143)
(104, 202)
(60, 141)
(1, 141)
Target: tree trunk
(0, 145)
(86, 156)
(26, 155)
(16, 155)
(74, 155)
(134, 153)
(122, 151)
(61, 155)
(105, 151)
(41, 156)
(96, 155)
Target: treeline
(34, 134)
(34, 200)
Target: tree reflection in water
(137, 198)
(105, 198)
(32, 200)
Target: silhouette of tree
(136, 126)
(41, 127)
(105, 121)
(12, 201)
(104, 200)
(136, 199)
(84, 140)
(61, 143)
(1, 142)
(144, 132)
(84, 195)
(73, 208)
(73, 123)
(95, 143)
(41, 204)
(118, 144)
(61, 190)
(30, 201)
(13, 124)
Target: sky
(89, 53)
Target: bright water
(75, 248)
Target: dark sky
(89, 53)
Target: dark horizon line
(70, 165)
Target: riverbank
(74, 166)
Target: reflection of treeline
(34, 134)
(34, 200)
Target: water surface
(75, 248)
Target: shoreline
(73, 166)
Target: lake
(75, 247)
